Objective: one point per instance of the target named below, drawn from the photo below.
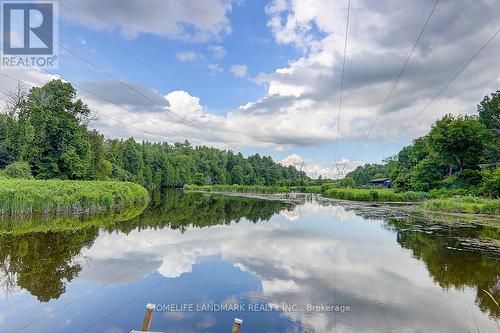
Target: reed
(470, 205)
(385, 195)
(23, 196)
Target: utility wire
(342, 82)
(187, 122)
(104, 115)
(388, 97)
(450, 81)
(123, 305)
(75, 300)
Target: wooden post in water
(236, 325)
(148, 317)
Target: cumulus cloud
(377, 49)
(186, 56)
(331, 170)
(239, 70)
(175, 19)
(217, 51)
(215, 68)
(181, 102)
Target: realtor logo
(29, 34)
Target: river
(279, 266)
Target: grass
(253, 189)
(239, 188)
(23, 196)
(385, 195)
(470, 205)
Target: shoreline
(378, 209)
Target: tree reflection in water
(453, 268)
(44, 262)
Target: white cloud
(215, 68)
(175, 19)
(217, 51)
(183, 103)
(239, 70)
(331, 170)
(377, 49)
(186, 56)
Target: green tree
(427, 174)
(459, 141)
(61, 148)
(489, 111)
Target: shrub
(374, 195)
(491, 183)
(468, 178)
(19, 169)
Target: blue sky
(265, 76)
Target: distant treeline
(460, 153)
(44, 133)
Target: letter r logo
(27, 28)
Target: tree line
(44, 132)
(459, 152)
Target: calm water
(198, 250)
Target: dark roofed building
(385, 182)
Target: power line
(123, 305)
(342, 81)
(130, 87)
(75, 300)
(104, 115)
(382, 108)
(453, 78)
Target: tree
(489, 111)
(427, 174)
(459, 141)
(61, 148)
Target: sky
(266, 76)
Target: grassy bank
(385, 195)
(470, 205)
(253, 189)
(22, 196)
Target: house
(384, 182)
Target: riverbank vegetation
(469, 205)
(253, 189)
(459, 154)
(381, 195)
(29, 196)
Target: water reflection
(451, 268)
(42, 263)
(184, 248)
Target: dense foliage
(46, 129)
(22, 196)
(459, 153)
